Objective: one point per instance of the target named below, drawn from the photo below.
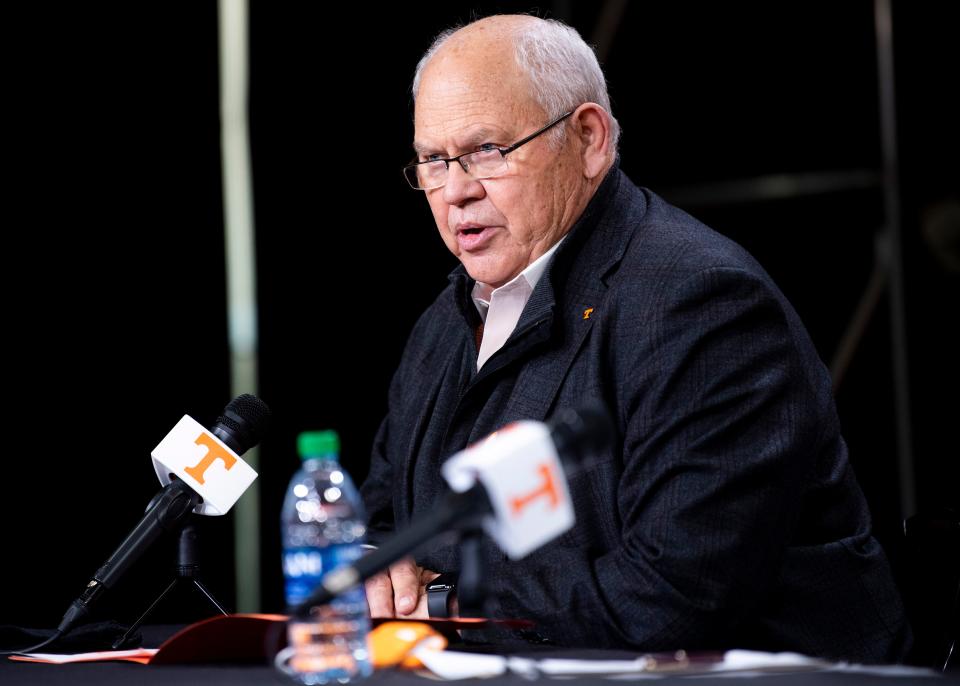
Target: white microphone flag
(522, 474)
(205, 463)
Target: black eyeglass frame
(409, 172)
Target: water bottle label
(304, 567)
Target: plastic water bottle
(322, 528)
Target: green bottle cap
(318, 443)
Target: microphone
(213, 467)
(513, 483)
(187, 461)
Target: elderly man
(727, 514)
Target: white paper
(62, 659)
(450, 664)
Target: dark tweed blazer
(726, 516)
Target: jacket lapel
(570, 297)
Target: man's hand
(399, 591)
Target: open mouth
(474, 237)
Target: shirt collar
(528, 278)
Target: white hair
(562, 69)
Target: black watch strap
(440, 593)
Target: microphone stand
(471, 591)
(188, 571)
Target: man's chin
(484, 273)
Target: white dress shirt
(500, 308)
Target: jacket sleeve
(720, 425)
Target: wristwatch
(440, 593)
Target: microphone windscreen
(243, 422)
(580, 434)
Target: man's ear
(592, 124)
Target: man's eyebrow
(473, 139)
(421, 148)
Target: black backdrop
(114, 274)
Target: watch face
(440, 593)
(445, 582)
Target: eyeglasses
(481, 164)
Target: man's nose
(460, 186)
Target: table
(106, 673)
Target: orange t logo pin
(214, 452)
(549, 489)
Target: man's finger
(380, 595)
(405, 576)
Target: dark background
(114, 277)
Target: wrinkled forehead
(465, 97)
